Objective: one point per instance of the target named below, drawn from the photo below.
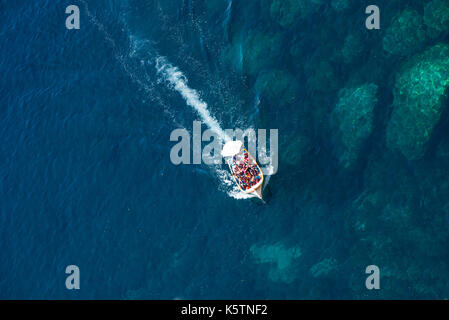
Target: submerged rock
(323, 268)
(436, 17)
(419, 95)
(294, 150)
(278, 86)
(287, 12)
(352, 48)
(321, 77)
(281, 260)
(256, 52)
(277, 90)
(215, 6)
(340, 5)
(352, 119)
(405, 34)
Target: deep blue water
(86, 176)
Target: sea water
(86, 177)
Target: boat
(244, 168)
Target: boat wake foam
(229, 186)
(179, 82)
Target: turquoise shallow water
(85, 171)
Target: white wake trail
(179, 82)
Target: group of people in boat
(245, 170)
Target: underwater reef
(363, 128)
(323, 268)
(419, 100)
(296, 148)
(278, 86)
(351, 50)
(280, 259)
(372, 101)
(436, 17)
(255, 51)
(288, 12)
(352, 119)
(405, 34)
(341, 5)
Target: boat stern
(258, 192)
